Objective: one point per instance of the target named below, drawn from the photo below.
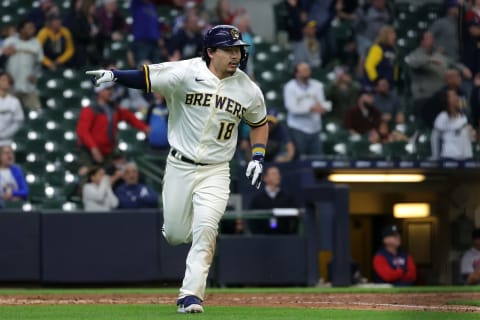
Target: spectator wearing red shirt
(392, 265)
(97, 125)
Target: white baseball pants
(194, 200)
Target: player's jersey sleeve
(164, 77)
(256, 114)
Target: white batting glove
(254, 173)
(101, 76)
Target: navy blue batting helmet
(225, 36)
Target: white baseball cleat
(189, 304)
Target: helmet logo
(235, 34)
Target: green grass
(432, 289)
(155, 312)
(475, 303)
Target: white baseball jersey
(204, 110)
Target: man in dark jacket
(273, 197)
(364, 118)
(97, 125)
(132, 194)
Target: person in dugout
(391, 264)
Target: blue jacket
(22, 191)
(157, 119)
(138, 196)
(145, 21)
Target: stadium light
(411, 210)
(361, 177)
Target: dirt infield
(406, 301)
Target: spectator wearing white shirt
(305, 101)
(97, 194)
(25, 56)
(470, 264)
(450, 136)
(11, 113)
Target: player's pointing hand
(101, 76)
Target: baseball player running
(207, 98)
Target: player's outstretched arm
(130, 78)
(258, 141)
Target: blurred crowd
(374, 91)
(377, 90)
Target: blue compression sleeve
(135, 79)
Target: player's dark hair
(205, 54)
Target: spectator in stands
(25, 56)
(132, 194)
(308, 50)
(97, 194)
(381, 58)
(280, 146)
(446, 33)
(305, 101)
(435, 105)
(115, 169)
(188, 41)
(475, 105)
(97, 126)
(224, 13)
(57, 43)
(11, 113)
(370, 20)
(386, 134)
(189, 7)
(450, 136)
(146, 31)
(5, 33)
(13, 186)
(471, 43)
(343, 92)
(85, 32)
(111, 23)
(242, 22)
(428, 67)
(157, 119)
(272, 196)
(470, 264)
(364, 118)
(343, 32)
(387, 102)
(391, 264)
(295, 21)
(39, 14)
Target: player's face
(224, 61)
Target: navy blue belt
(178, 156)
